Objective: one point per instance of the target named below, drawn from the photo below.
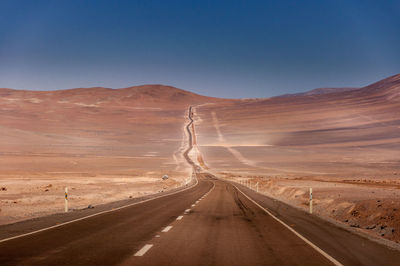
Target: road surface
(211, 223)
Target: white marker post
(257, 187)
(310, 200)
(66, 199)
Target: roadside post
(257, 187)
(66, 199)
(310, 200)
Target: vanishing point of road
(212, 222)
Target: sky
(232, 49)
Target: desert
(107, 145)
(344, 144)
(103, 144)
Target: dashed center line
(143, 250)
(193, 205)
(179, 218)
(166, 229)
(187, 210)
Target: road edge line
(326, 255)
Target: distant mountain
(145, 95)
(388, 87)
(152, 95)
(319, 91)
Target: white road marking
(143, 250)
(166, 229)
(323, 253)
(95, 214)
(179, 217)
(157, 235)
(193, 205)
(187, 210)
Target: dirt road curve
(212, 223)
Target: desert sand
(107, 145)
(345, 145)
(103, 144)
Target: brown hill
(105, 144)
(345, 145)
(318, 91)
(388, 87)
(146, 95)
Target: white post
(66, 199)
(310, 200)
(257, 187)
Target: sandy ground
(37, 196)
(103, 144)
(113, 144)
(346, 146)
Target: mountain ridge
(389, 86)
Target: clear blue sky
(219, 48)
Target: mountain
(318, 91)
(145, 95)
(389, 86)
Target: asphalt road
(105, 239)
(209, 224)
(223, 228)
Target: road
(211, 223)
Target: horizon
(212, 96)
(224, 49)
